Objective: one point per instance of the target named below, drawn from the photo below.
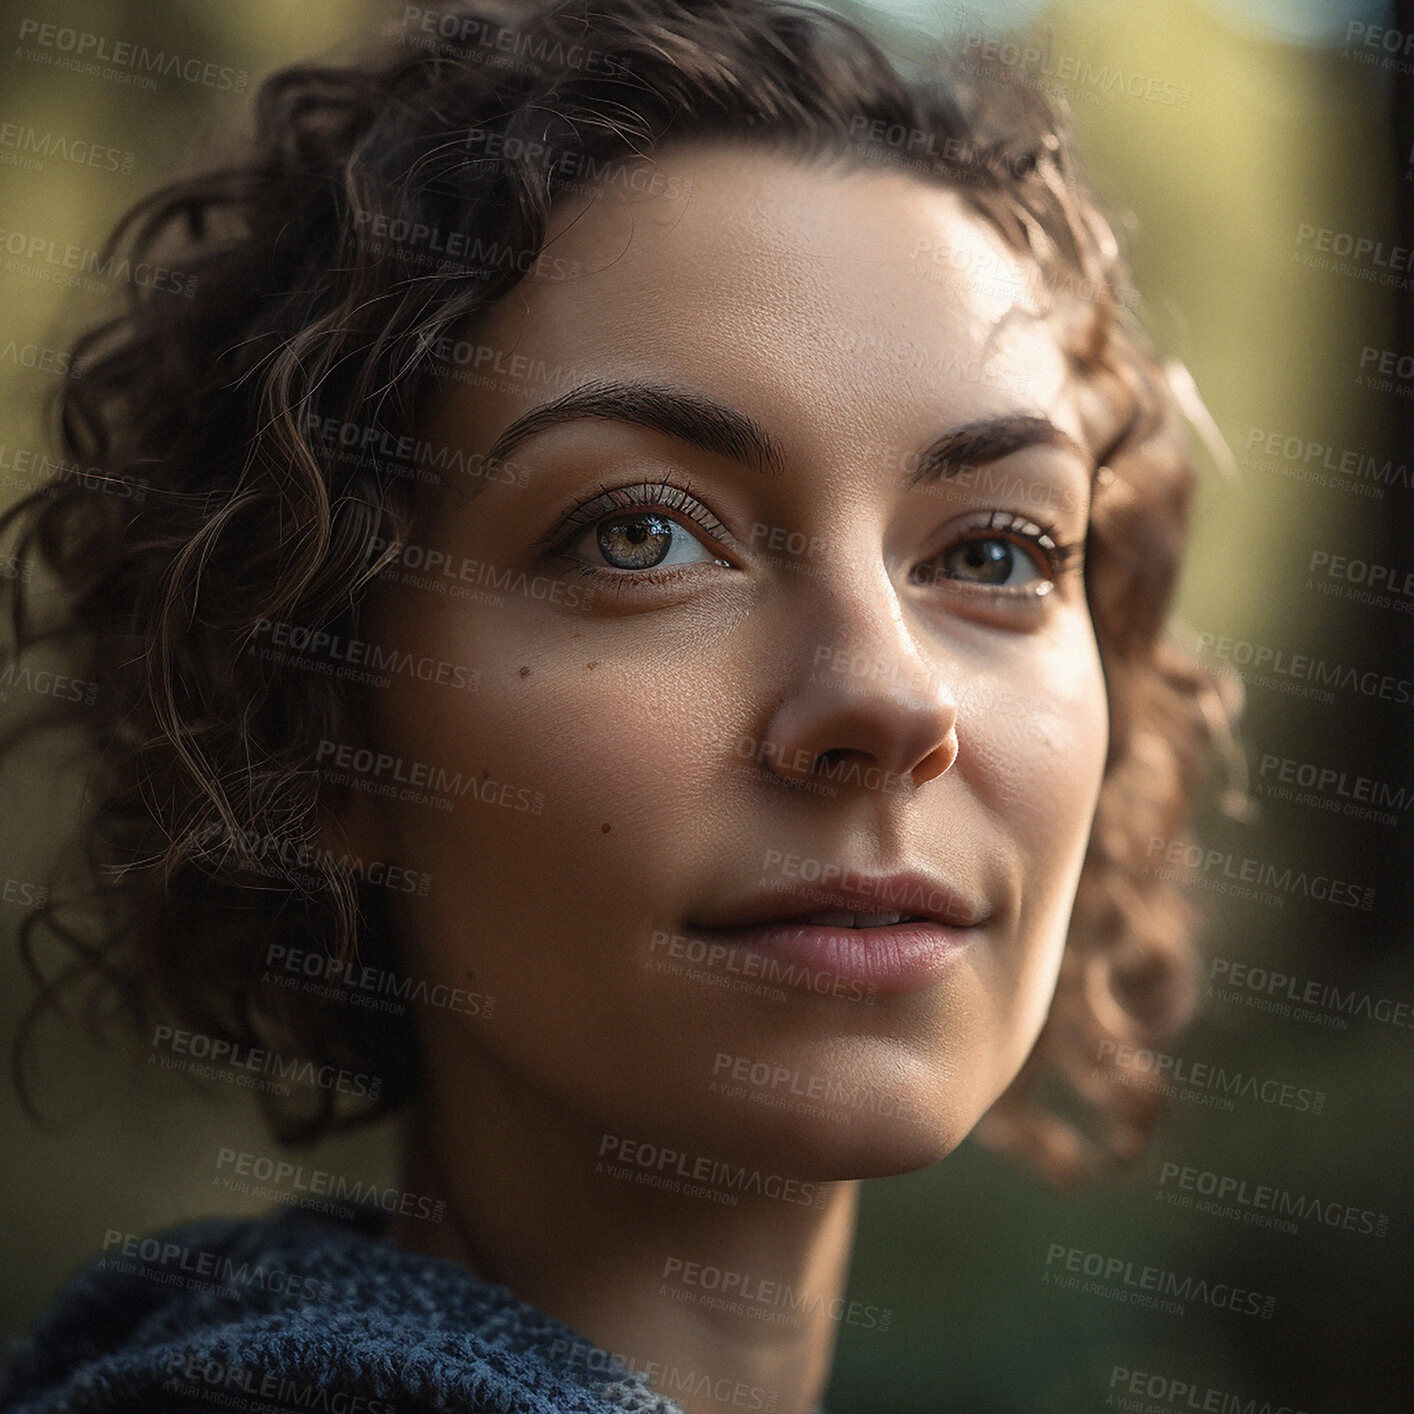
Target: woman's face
(743, 676)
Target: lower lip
(896, 958)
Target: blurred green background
(1286, 124)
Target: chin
(828, 1148)
(887, 1150)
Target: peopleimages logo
(742, 1293)
(1158, 1070)
(36, 470)
(199, 1377)
(47, 258)
(668, 1167)
(46, 684)
(184, 1047)
(676, 954)
(1323, 464)
(82, 50)
(826, 1096)
(570, 167)
(1329, 788)
(1323, 1002)
(669, 1379)
(1262, 1204)
(343, 655)
(906, 897)
(418, 242)
(198, 1269)
(1143, 1285)
(1221, 866)
(1033, 62)
(382, 773)
(379, 988)
(1136, 1390)
(27, 147)
(279, 856)
(433, 463)
(505, 45)
(283, 1174)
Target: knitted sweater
(295, 1311)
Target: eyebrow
(987, 440)
(703, 422)
(690, 417)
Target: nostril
(826, 760)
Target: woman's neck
(724, 1305)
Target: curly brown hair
(303, 294)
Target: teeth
(836, 918)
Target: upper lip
(911, 893)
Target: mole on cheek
(525, 672)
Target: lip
(894, 958)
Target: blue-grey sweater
(298, 1311)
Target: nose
(865, 695)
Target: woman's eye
(991, 560)
(641, 540)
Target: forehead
(865, 298)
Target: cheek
(1039, 765)
(615, 749)
(1044, 743)
(622, 740)
(554, 914)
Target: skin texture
(856, 315)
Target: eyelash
(658, 494)
(1055, 558)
